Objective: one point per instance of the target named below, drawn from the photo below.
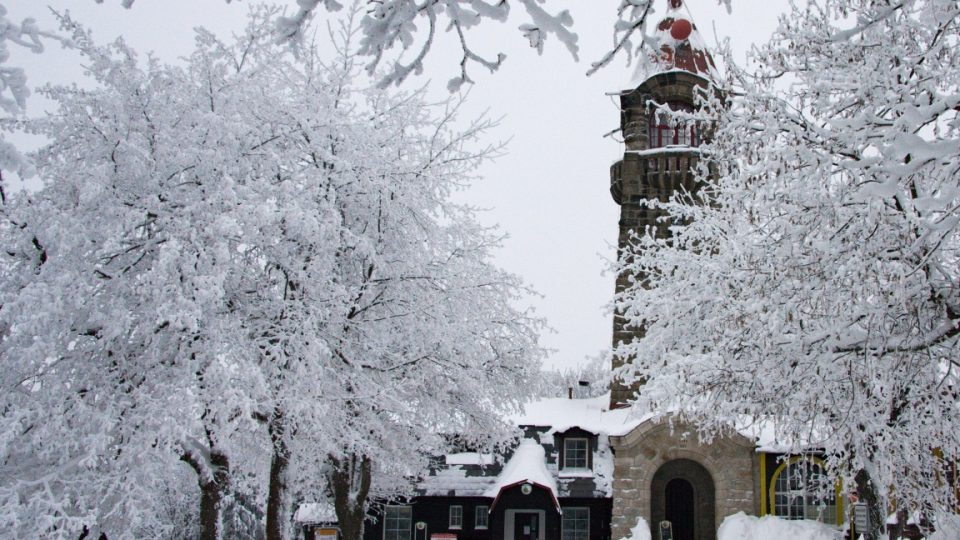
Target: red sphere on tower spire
(681, 29)
(681, 46)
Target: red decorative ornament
(681, 29)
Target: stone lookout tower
(663, 474)
(661, 153)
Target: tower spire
(681, 45)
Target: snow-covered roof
(764, 432)
(591, 414)
(660, 150)
(312, 513)
(471, 474)
(458, 481)
(535, 459)
(469, 458)
(528, 464)
(594, 415)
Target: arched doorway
(679, 507)
(682, 492)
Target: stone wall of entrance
(730, 461)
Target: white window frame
(397, 533)
(563, 526)
(456, 517)
(481, 511)
(586, 454)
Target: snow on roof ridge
(589, 414)
(528, 464)
(594, 415)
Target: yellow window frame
(768, 491)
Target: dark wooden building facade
(553, 485)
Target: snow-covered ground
(640, 531)
(743, 527)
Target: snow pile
(640, 531)
(528, 464)
(743, 527)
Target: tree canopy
(253, 255)
(812, 281)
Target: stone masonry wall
(646, 177)
(731, 462)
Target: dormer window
(665, 130)
(575, 453)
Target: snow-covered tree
(421, 334)
(589, 379)
(812, 282)
(118, 348)
(14, 91)
(236, 261)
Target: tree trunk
(279, 463)
(214, 481)
(350, 483)
(867, 494)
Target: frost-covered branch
(13, 82)
(631, 18)
(820, 268)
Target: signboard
(861, 516)
(443, 536)
(326, 534)
(666, 530)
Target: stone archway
(729, 463)
(682, 491)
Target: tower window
(665, 130)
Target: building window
(664, 130)
(802, 490)
(576, 524)
(456, 517)
(575, 454)
(397, 521)
(481, 516)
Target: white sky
(549, 194)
